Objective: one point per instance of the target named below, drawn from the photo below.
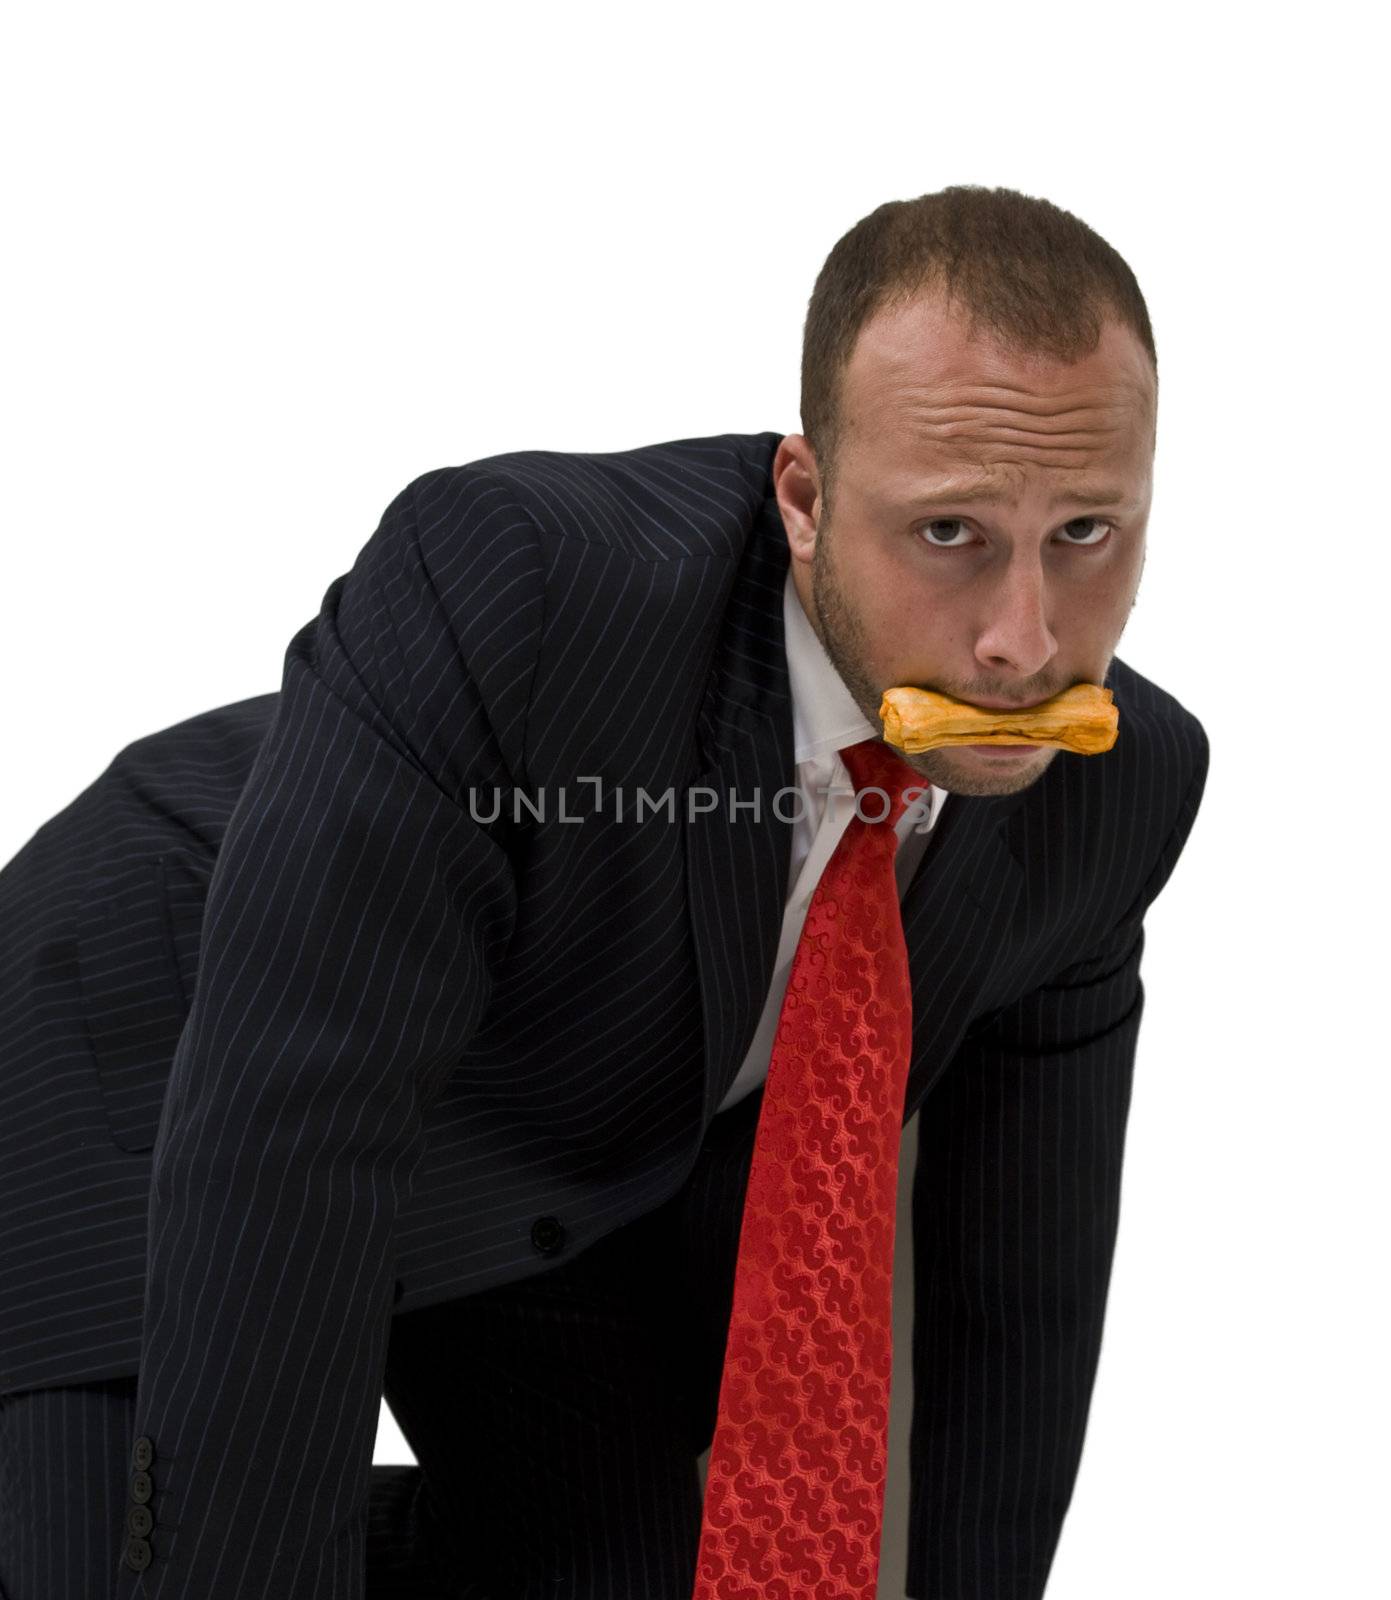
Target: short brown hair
(1026, 273)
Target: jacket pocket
(137, 946)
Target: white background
(267, 264)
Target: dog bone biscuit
(1082, 719)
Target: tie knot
(873, 765)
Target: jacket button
(137, 1554)
(547, 1235)
(141, 1486)
(139, 1520)
(144, 1452)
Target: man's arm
(355, 919)
(1015, 1206)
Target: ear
(797, 484)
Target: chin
(962, 771)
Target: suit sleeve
(355, 919)
(1015, 1208)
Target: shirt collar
(825, 718)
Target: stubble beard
(842, 635)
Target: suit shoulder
(670, 501)
(1159, 723)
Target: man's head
(976, 365)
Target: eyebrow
(1083, 496)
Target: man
(426, 1064)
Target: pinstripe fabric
(561, 1418)
(64, 1466)
(63, 1455)
(290, 1039)
(557, 1422)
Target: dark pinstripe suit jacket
(425, 1055)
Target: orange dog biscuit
(1082, 719)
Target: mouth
(1009, 705)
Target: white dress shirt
(825, 720)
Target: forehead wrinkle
(975, 425)
(992, 464)
(903, 370)
(981, 392)
(1044, 444)
(961, 440)
(1084, 417)
(971, 429)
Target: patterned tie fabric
(794, 1491)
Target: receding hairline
(1024, 272)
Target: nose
(1014, 633)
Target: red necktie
(794, 1490)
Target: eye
(1101, 528)
(1099, 531)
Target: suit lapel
(737, 865)
(957, 914)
